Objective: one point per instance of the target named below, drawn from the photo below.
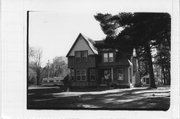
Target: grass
(107, 99)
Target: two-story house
(93, 63)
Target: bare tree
(35, 56)
(31, 52)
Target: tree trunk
(38, 76)
(163, 74)
(151, 72)
(169, 77)
(162, 70)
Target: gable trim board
(88, 42)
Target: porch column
(111, 73)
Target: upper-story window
(78, 56)
(84, 55)
(81, 56)
(111, 57)
(108, 57)
(105, 56)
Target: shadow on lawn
(123, 100)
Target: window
(72, 74)
(81, 75)
(81, 56)
(120, 74)
(84, 55)
(78, 75)
(92, 74)
(78, 56)
(108, 57)
(105, 57)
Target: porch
(102, 77)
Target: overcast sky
(54, 26)
(55, 32)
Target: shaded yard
(112, 99)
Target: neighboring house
(32, 77)
(56, 81)
(93, 63)
(145, 80)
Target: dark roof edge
(80, 34)
(73, 44)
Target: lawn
(141, 98)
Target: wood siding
(81, 45)
(113, 60)
(91, 62)
(118, 61)
(96, 62)
(83, 84)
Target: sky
(54, 26)
(55, 32)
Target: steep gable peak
(83, 43)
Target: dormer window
(108, 57)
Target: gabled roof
(89, 42)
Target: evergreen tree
(137, 30)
